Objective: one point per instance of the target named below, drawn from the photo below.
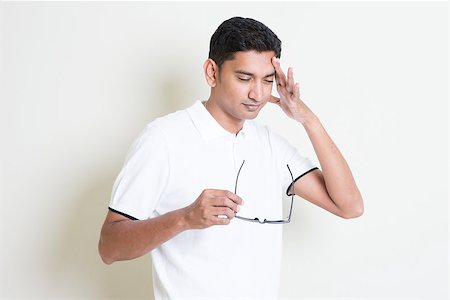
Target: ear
(211, 72)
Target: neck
(229, 123)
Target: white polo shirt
(174, 159)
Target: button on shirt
(173, 160)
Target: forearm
(338, 177)
(129, 239)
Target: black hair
(241, 34)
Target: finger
(222, 221)
(220, 212)
(232, 196)
(290, 85)
(235, 198)
(222, 201)
(297, 91)
(274, 99)
(280, 78)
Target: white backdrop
(81, 80)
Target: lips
(252, 107)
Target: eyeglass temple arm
(292, 192)
(237, 177)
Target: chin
(252, 116)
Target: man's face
(245, 83)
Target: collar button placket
(237, 151)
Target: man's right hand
(212, 207)
(123, 239)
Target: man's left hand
(289, 92)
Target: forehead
(257, 63)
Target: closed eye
(248, 79)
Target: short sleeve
(288, 155)
(143, 177)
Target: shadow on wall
(75, 261)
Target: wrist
(310, 120)
(183, 219)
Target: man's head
(241, 34)
(240, 70)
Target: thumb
(274, 100)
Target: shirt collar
(205, 123)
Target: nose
(256, 92)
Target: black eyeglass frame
(265, 221)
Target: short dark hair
(241, 34)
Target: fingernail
(242, 202)
(238, 208)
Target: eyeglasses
(265, 221)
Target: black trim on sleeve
(289, 187)
(123, 214)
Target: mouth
(252, 107)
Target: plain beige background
(81, 80)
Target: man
(190, 173)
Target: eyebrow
(251, 74)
